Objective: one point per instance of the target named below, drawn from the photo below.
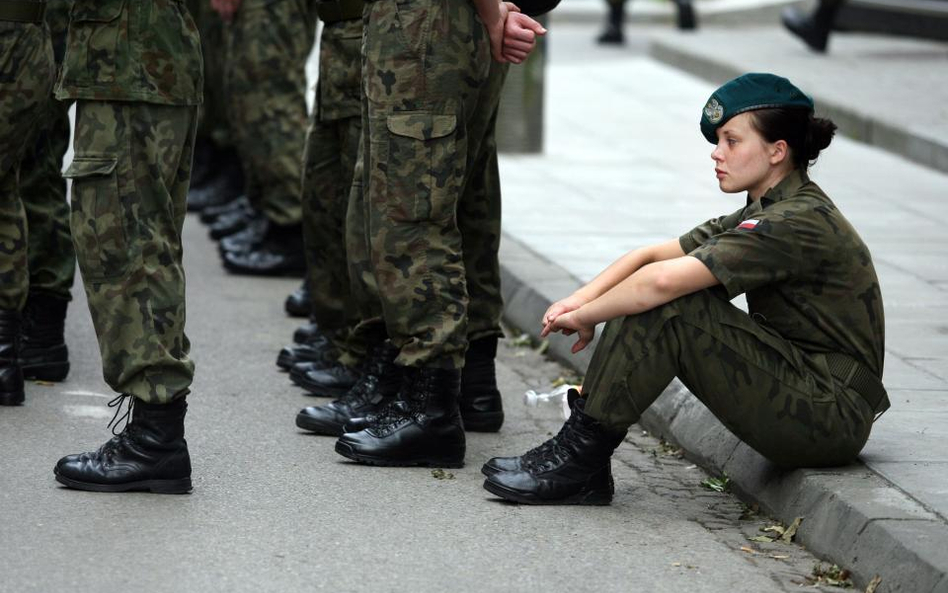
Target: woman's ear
(779, 152)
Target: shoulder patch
(749, 224)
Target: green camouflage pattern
(26, 78)
(129, 50)
(130, 176)
(431, 94)
(332, 145)
(771, 393)
(806, 272)
(52, 259)
(268, 44)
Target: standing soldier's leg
(267, 84)
(781, 401)
(425, 64)
(130, 181)
(26, 80)
(52, 260)
(479, 222)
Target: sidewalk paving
(626, 165)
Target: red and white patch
(749, 224)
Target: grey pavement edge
(716, 12)
(877, 89)
(853, 517)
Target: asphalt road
(274, 509)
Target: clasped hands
(564, 316)
(514, 35)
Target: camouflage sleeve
(704, 231)
(755, 252)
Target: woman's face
(744, 160)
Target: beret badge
(714, 111)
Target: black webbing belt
(331, 11)
(856, 376)
(20, 11)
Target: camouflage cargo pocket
(422, 168)
(97, 41)
(98, 218)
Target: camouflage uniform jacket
(806, 272)
(132, 50)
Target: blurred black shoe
(202, 167)
(329, 381)
(306, 333)
(299, 302)
(815, 34)
(11, 376)
(278, 253)
(43, 352)
(687, 20)
(232, 223)
(319, 350)
(210, 214)
(225, 184)
(574, 467)
(615, 18)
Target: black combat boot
(43, 352)
(299, 303)
(150, 454)
(377, 386)
(507, 464)
(210, 214)
(306, 333)
(615, 18)
(331, 380)
(11, 376)
(424, 427)
(240, 221)
(224, 183)
(571, 468)
(481, 406)
(279, 252)
(319, 349)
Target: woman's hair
(804, 134)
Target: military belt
(332, 11)
(20, 11)
(852, 374)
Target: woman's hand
(570, 303)
(570, 323)
(520, 33)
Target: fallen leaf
(440, 474)
(791, 531)
(873, 584)
(778, 556)
(43, 383)
(762, 539)
(778, 529)
(749, 550)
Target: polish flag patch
(749, 224)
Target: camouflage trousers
(214, 124)
(432, 197)
(332, 145)
(26, 79)
(130, 181)
(265, 80)
(774, 396)
(52, 259)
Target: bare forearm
(626, 266)
(488, 10)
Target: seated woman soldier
(797, 379)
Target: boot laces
(553, 451)
(117, 403)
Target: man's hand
(226, 8)
(520, 35)
(570, 323)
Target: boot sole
(182, 486)
(53, 371)
(349, 453)
(482, 421)
(315, 426)
(590, 498)
(12, 398)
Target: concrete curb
(853, 123)
(852, 516)
(718, 12)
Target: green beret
(748, 92)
